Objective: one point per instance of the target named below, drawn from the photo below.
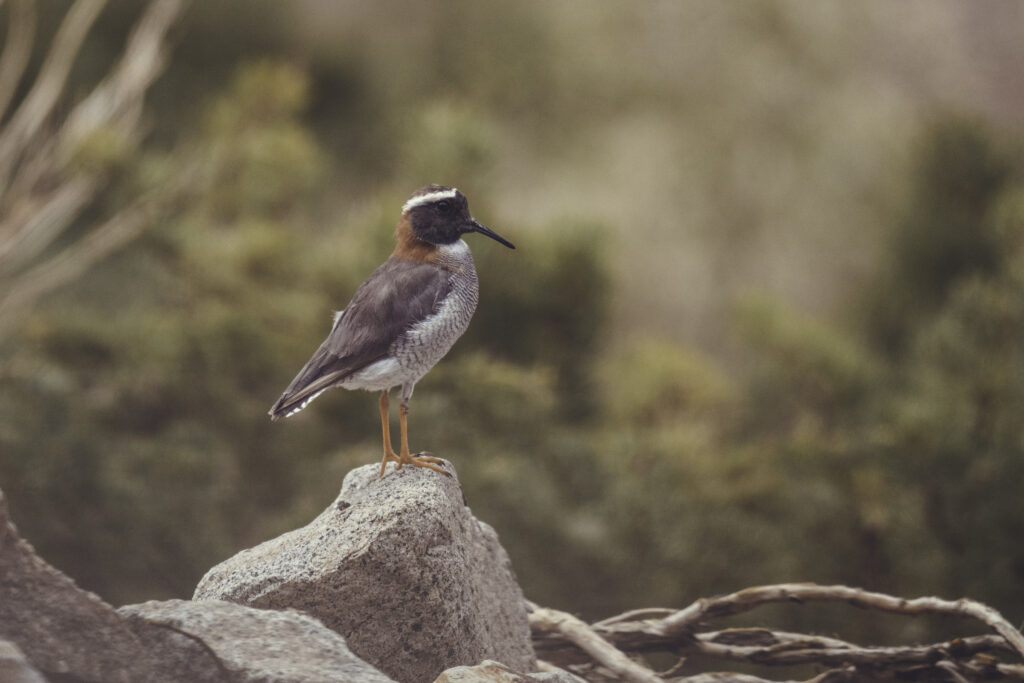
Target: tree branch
(787, 649)
(37, 105)
(709, 608)
(21, 26)
(639, 632)
(586, 638)
(120, 93)
(42, 191)
(71, 263)
(39, 224)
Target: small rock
(257, 646)
(401, 568)
(490, 671)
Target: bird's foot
(423, 459)
(389, 455)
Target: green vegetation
(622, 466)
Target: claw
(414, 459)
(425, 459)
(389, 455)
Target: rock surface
(401, 568)
(14, 668)
(65, 632)
(490, 671)
(252, 645)
(52, 630)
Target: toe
(418, 460)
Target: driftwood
(613, 649)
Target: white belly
(383, 374)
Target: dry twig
(686, 619)
(41, 193)
(593, 648)
(17, 49)
(597, 647)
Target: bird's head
(440, 215)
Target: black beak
(474, 226)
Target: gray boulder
(401, 568)
(51, 629)
(65, 632)
(252, 645)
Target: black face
(445, 219)
(441, 221)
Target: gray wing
(396, 296)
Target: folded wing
(395, 297)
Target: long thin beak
(475, 226)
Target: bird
(403, 319)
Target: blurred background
(764, 322)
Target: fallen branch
(597, 647)
(596, 651)
(745, 600)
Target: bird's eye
(444, 206)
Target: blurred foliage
(620, 469)
(951, 229)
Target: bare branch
(636, 615)
(42, 189)
(70, 263)
(639, 632)
(21, 28)
(831, 676)
(544, 619)
(721, 677)
(36, 108)
(35, 225)
(791, 648)
(114, 105)
(142, 61)
(709, 608)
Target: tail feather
(301, 393)
(279, 410)
(287, 405)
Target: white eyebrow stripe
(428, 198)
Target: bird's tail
(316, 377)
(279, 409)
(288, 405)
(292, 401)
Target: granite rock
(401, 568)
(66, 633)
(252, 645)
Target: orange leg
(389, 453)
(404, 457)
(423, 459)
